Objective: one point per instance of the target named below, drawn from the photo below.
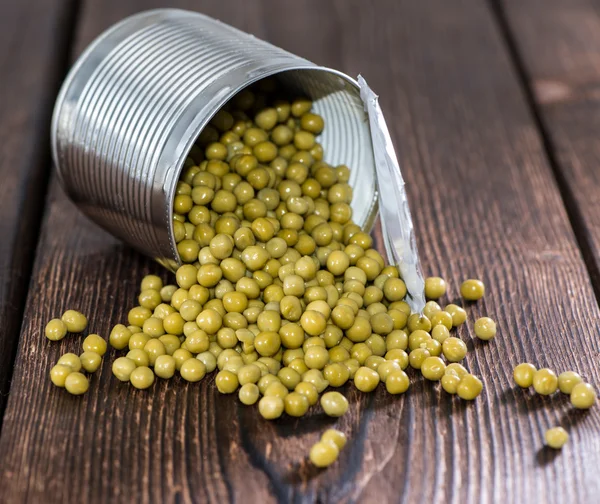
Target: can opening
(346, 138)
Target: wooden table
(494, 107)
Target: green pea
(556, 437)
(59, 373)
(142, 377)
(55, 330)
(485, 328)
(545, 381)
(523, 374)
(435, 287)
(271, 407)
(76, 383)
(472, 290)
(366, 379)
(323, 453)
(75, 321)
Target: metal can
(138, 97)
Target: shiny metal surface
(137, 98)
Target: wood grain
(485, 204)
(558, 45)
(33, 46)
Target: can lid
(396, 221)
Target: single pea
(248, 394)
(193, 370)
(313, 322)
(435, 287)
(226, 382)
(150, 299)
(397, 382)
(289, 376)
(456, 369)
(309, 391)
(59, 373)
(154, 348)
(295, 404)
(417, 357)
(430, 308)
(139, 357)
(568, 380)
(472, 290)
(94, 343)
(385, 368)
(396, 339)
(151, 282)
(171, 343)
(271, 407)
(276, 389)
(360, 330)
(417, 338)
(374, 361)
(440, 333)
(142, 377)
(485, 328)
(583, 396)
(71, 360)
(450, 383)
(366, 379)
(454, 349)
(138, 315)
(250, 373)
(119, 336)
(76, 383)
(334, 404)
(267, 343)
(433, 368)
(545, 381)
(394, 289)
(459, 315)
(334, 436)
(122, 368)
(164, 366)
(324, 453)
(138, 341)
(399, 356)
(556, 437)
(433, 347)
(90, 361)
(316, 357)
(523, 374)
(418, 322)
(315, 377)
(55, 330)
(442, 318)
(75, 321)
(207, 358)
(469, 387)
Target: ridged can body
(136, 100)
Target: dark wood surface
(558, 44)
(34, 41)
(486, 203)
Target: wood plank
(558, 44)
(485, 204)
(33, 54)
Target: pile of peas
(280, 292)
(67, 371)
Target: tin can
(135, 101)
